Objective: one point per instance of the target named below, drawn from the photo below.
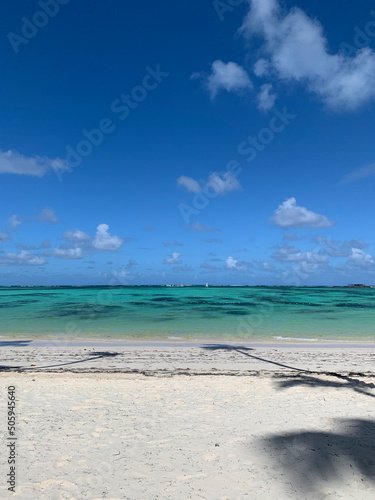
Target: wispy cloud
(266, 97)
(48, 215)
(360, 174)
(12, 162)
(173, 243)
(189, 184)
(14, 221)
(198, 227)
(218, 183)
(173, 259)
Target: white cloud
(198, 227)
(288, 214)
(48, 215)
(360, 173)
(231, 263)
(76, 236)
(235, 265)
(189, 184)
(12, 162)
(14, 221)
(228, 76)
(266, 98)
(222, 184)
(23, 258)
(67, 253)
(104, 241)
(297, 50)
(217, 183)
(289, 253)
(174, 259)
(362, 259)
(4, 236)
(339, 248)
(261, 67)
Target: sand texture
(164, 431)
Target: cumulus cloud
(104, 241)
(12, 162)
(231, 263)
(296, 49)
(173, 259)
(360, 173)
(76, 236)
(225, 76)
(23, 258)
(217, 183)
(289, 214)
(198, 227)
(48, 215)
(266, 98)
(14, 221)
(361, 259)
(4, 236)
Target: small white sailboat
(206, 285)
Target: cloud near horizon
(105, 241)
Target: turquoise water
(247, 313)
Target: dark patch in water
(355, 305)
(236, 312)
(83, 311)
(165, 299)
(18, 303)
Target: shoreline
(172, 358)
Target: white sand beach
(136, 422)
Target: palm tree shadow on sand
(93, 356)
(312, 459)
(245, 351)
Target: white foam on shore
(295, 338)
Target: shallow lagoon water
(246, 313)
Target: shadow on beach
(245, 351)
(311, 459)
(286, 381)
(15, 343)
(93, 356)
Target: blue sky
(225, 142)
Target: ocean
(194, 313)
